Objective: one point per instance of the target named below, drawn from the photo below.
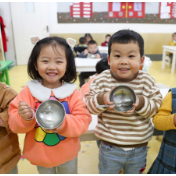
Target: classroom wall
(155, 35)
(5, 12)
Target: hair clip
(71, 42)
(34, 40)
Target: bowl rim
(118, 87)
(62, 119)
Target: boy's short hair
(82, 40)
(102, 65)
(126, 36)
(91, 42)
(108, 35)
(173, 34)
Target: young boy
(124, 136)
(91, 52)
(81, 46)
(9, 146)
(105, 43)
(172, 43)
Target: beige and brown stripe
(124, 129)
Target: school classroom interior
(155, 29)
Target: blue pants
(112, 159)
(70, 167)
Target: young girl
(88, 37)
(9, 146)
(165, 120)
(52, 68)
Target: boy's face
(107, 39)
(125, 60)
(92, 48)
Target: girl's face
(51, 66)
(88, 39)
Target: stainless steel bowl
(123, 98)
(50, 114)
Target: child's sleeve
(81, 55)
(94, 97)
(164, 120)
(9, 95)
(150, 100)
(16, 123)
(77, 122)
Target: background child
(124, 136)
(91, 52)
(52, 66)
(81, 46)
(105, 43)
(88, 37)
(101, 66)
(172, 43)
(9, 146)
(165, 120)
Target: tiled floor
(88, 155)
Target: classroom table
(103, 49)
(90, 136)
(4, 76)
(85, 64)
(171, 49)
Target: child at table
(52, 67)
(172, 43)
(9, 146)
(91, 52)
(165, 120)
(81, 46)
(124, 135)
(88, 37)
(105, 43)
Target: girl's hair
(70, 74)
(88, 35)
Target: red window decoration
(167, 10)
(126, 9)
(81, 9)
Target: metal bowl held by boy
(123, 98)
(50, 114)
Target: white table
(90, 136)
(103, 49)
(85, 64)
(171, 49)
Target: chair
(168, 61)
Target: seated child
(52, 67)
(165, 120)
(91, 52)
(124, 135)
(9, 146)
(88, 37)
(105, 43)
(172, 43)
(81, 46)
(101, 66)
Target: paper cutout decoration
(71, 42)
(167, 10)
(81, 9)
(34, 40)
(126, 9)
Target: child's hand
(107, 101)
(24, 110)
(85, 51)
(97, 56)
(134, 105)
(1, 122)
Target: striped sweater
(125, 129)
